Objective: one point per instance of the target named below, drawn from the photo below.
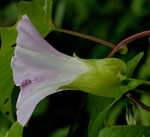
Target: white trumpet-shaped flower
(39, 69)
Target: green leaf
(6, 80)
(16, 130)
(137, 7)
(47, 8)
(4, 125)
(41, 108)
(115, 112)
(132, 64)
(60, 132)
(144, 72)
(37, 16)
(98, 122)
(59, 13)
(8, 37)
(99, 103)
(144, 116)
(125, 131)
(8, 14)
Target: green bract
(103, 78)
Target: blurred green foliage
(8, 17)
(16, 130)
(125, 131)
(60, 132)
(111, 20)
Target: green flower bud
(103, 78)
(124, 50)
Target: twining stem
(137, 102)
(128, 40)
(134, 99)
(85, 36)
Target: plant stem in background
(137, 102)
(85, 36)
(128, 40)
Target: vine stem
(85, 36)
(137, 102)
(128, 40)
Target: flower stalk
(85, 36)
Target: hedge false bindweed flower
(40, 70)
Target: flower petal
(30, 38)
(39, 69)
(30, 97)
